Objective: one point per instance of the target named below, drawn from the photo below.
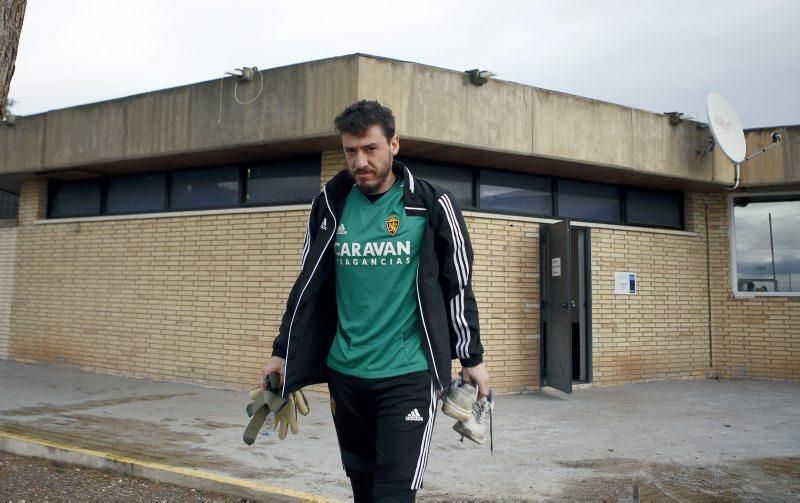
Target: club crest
(392, 224)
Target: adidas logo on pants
(414, 416)
(383, 445)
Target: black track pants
(384, 428)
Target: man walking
(382, 305)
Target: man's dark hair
(363, 114)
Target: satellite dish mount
(726, 131)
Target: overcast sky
(655, 55)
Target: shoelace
(480, 410)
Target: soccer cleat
(474, 428)
(459, 399)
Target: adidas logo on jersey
(341, 230)
(414, 416)
(324, 225)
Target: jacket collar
(340, 186)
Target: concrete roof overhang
(440, 116)
(409, 148)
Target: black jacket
(448, 313)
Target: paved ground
(684, 440)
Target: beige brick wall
(199, 297)
(332, 163)
(754, 338)
(188, 298)
(8, 247)
(662, 331)
(506, 285)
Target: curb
(191, 478)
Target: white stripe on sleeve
(461, 264)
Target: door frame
(587, 271)
(544, 268)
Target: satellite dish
(726, 128)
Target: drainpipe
(708, 281)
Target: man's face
(369, 158)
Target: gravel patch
(33, 479)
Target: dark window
(205, 188)
(75, 199)
(588, 201)
(456, 179)
(130, 194)
(283, 183)
(9, 205)
(767, 236)
(661, 209)
(515, 193)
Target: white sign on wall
(625, 283)
(556, 267)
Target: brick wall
(332, 163)
(753, 338)
(662, 331)
(199, 297)
(506, 285)
(8, 246)
(187, 298)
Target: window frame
(15, 217)
(478, 181)
(257, 164)
(732, 244)
(474, 172)
(622, 195)
(169, 182)
(53, 184)
(104, 194)
(237, 167)
(681, 208)
(620, 199)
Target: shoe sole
(461, 429)
(455, 412)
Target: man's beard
(377, 181)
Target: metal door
(558, 336)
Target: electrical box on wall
(626, 283)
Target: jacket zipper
(427, 335)
(300, 297)
(419, 299)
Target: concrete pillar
(8, 248)
(32, 201)
(694, 212)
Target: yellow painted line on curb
(190, 472)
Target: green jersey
(377, 252)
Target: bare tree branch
(12, 13)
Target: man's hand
(477, 376)
(275, 364)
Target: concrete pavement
(667, 440)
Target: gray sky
(655, 55)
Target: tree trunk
(11, 14)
